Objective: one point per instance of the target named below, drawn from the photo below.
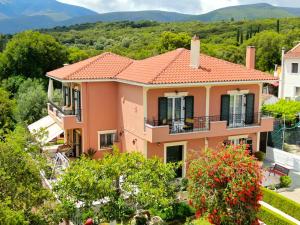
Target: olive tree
(120, 183)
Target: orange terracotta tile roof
(293, 53)
(169, 68)
(104, 66)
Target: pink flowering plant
(224, 186)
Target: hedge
(282, 203)
(271, 218)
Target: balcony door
(237, 110)
(176, 112)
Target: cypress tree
(242, 37)
(238, 37)
(278, 26)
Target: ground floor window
(106, 139)
(240, 140)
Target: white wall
(291, 80)
(282, 157)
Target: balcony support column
(206, 143)
(207, 104)
(260, 102)
(258, 141)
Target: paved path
(279, 212)
(293, 194)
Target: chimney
(195, 52)
(250, 57)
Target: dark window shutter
(69, 96)
(249, 117)
(189, 111)
(162, 110)
(225, 108)
(64, 95)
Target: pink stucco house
(170, 105)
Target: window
(106, 139)
(294, 67)
(297, 91)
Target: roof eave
(164, 84)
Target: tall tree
(268, 45)
(32, 54)
(170, 41)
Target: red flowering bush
(224, 185)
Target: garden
(222, 187)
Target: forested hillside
(226, 40)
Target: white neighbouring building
(289, 74)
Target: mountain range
(19, 15)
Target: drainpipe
(282, 76)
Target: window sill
(105, 148)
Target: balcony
(66, 118)
(211, 126)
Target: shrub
(271, 218)
(183, 184)
(285, 181)
(179, 210)
(282, 203)
(225, 186)
(260, 155)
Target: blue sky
(184, 6)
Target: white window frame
(236, 139)
(105, 132)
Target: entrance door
(237, 110)
(175, 155)
(77, 143)
(176, 112)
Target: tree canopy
(284, 109)
(31, 54)
(121, 182)
(31, 101)
(23, 197)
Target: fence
(290, 133)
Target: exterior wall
(216, 142)
(291, 80)
(194, 148)
(199, 94)
(217, 91)
(123, 107)
(99, 111)
(131, 117)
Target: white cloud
(183, 6)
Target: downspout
(282, 75)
